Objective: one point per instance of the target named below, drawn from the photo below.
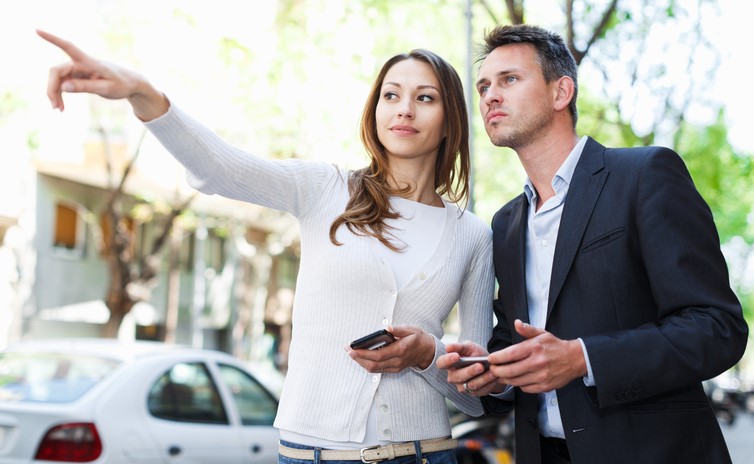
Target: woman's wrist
(148, 103)
(428, 351)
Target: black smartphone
(373, 341)
(469, 360)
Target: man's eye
(483, 89)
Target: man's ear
(564, 95)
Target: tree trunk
(111, 328)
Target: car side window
(256, 405)
(186, 393)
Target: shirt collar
(563, 176)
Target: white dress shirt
(541, 238)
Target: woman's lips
(403, 130)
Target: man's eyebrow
(502, 73)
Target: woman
(381, 248)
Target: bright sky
(735, 71)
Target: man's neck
(541, 160)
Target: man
(614, 300)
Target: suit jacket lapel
(515, 250)
(587, 182)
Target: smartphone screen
(373, 341)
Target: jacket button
(533, 423)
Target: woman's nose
(406, 110)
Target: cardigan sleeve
(217, 167)
(475, 317)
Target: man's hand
(540, 363)
(473, 379)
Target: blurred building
(225, 280)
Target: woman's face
(410, 113)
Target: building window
(287, 268)
(69, 229)
(214, 250)
(186, 252)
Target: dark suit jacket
(638, 274)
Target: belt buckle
(361, 454)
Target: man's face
(515, 101)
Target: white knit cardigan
(344, 292)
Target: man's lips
(495, 114)
(403, 130)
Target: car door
(256, 408)
(189, 420)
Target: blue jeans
(438, 457)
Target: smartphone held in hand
(469, 360)
(373, 341)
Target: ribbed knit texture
(344, 292)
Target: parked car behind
(483, 440)
(104, 401)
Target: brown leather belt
(372, 453)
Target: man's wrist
(588, 376)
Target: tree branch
(489, 11)
(515, 11)
(597, 31)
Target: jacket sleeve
(699, 330)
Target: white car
(104, 401)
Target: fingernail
(66, 86)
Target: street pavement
(740, 438)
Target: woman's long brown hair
(368, 205)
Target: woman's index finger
(69, 48)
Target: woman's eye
(390, 95)
(425, 98)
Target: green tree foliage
(724, 177)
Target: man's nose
(492, 96)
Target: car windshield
(50, 377)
